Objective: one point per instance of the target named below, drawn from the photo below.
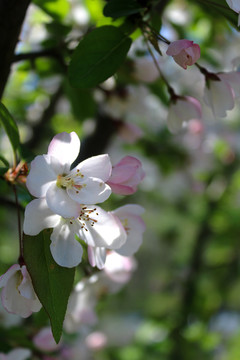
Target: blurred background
(183, 299)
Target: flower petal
(65, 147)
(90, 191)
(43, 172)
(60, 203)
(12, 300)
(97, 256)
(97, 166)
(177, 46)
(38, 216)
(106, 232)
(5, 277)
(220, 97)
(65, 249)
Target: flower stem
(170, 89)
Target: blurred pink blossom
(96, 340)
(221, 90)
(184, 52)
(129, 132)
(18, 296)
(44, 340)
(126, 175)
(182, 109)
(119, 268)
(130, 217)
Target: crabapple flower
(126, 175)
(93, 225)
(16, 354)
(119, 268)
(129, 215)
(183, 108)
(51, 177)
(235, 6)
(221, 90)
(18, 296)
(184, 52)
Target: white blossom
(51, 177)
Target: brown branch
(12, 14)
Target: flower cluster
(66, 202)
(220, 91)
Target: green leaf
(82, 102)
(10, 127)
(98, 56)
(57, 9)
(52, 283)
(119, 8)
(4, 161)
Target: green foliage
(10, 127)
(119, 8)
(98, 56)
(57, 9)
(51, 282)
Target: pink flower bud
(184, 52)
(126, 175)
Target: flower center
(66, 181)
(125, 225)
(85, 217)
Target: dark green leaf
(119, 8)
(10, 127)
(52, 283)
(83, 104)
(3, 170)
(98, 56)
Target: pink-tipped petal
(177, 46)
(65, 147)
(5, 277)
(97, 166)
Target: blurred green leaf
(98, 56)
(52, 283)
(57, 9)
(10, 127)
(4, 161)
(119, 8)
